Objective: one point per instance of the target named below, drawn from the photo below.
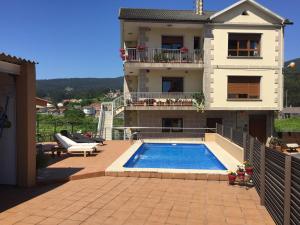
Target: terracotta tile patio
(75, 167)
(130, 201)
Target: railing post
(245, 145)
(222, 130)
(231, 133)
(262, 174)
(251, 150)
(287, 190)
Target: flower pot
(249, 170)
(184, 50)
(141, 48)
(241, 175)
(231, 179)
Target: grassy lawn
(288, 125)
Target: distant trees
(79, 88)
(74, 115)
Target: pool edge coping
(117, 167)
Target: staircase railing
(117, 103)
(101, 121)
(112, 106)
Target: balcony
(160, 101)
(171, 58)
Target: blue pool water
(174, 156)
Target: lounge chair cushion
(64, 141)
(68, 143)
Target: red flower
(141, 47)
(184, 50)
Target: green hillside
(84, 88)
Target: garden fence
(46, 129)
(276, 176)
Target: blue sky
(80, 38)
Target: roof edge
(252, 2)
(14, 59)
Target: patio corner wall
(26, 117)
(234, 150)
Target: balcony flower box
(184, 50)
(187, 103)
(159, 103)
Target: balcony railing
(159, 98)
(162, 55)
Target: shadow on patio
(72, 167)
(12, 196)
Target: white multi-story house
(234, 57)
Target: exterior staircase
(109, 110)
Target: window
(247, 45)
(196, 43)
(242, 87)
(172, 42)
(173, 124)
(212, 123)
(172, 84)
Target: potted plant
(276, 143)
(168, 102)
(184, 50)
(248, 168)
(199, 101)
(241, 172)
(232, 177)
(159, 103)
(141, 48)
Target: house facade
(233, 57)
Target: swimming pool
(174, 156)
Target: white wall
(8, 139)
(155, 34)
(192, 80)
(268, 65)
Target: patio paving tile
(33, 219)
(149, 201)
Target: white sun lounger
(73, 147)
(292, 147)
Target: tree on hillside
(74, 116)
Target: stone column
(142, 82)
(208, 70)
